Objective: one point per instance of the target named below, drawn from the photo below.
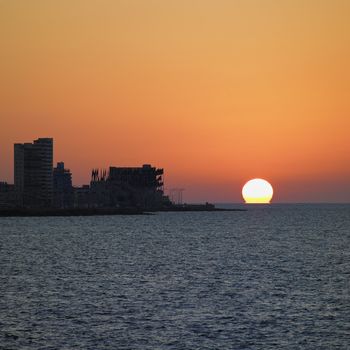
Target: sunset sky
(215, 92)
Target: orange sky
(216, 92)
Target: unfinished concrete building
(140, 187)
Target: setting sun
(257, 191)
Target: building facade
(137, 186)
(123, 187)
(82, 197)
(8, 197)
(62, 187)
(33, 163)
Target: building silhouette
(33, 173)
(137, 187)
(38, 185)
(62, 187)
(8, 197)
(82, 197)
(143, 185)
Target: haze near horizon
(214, 92)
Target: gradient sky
(216, 92)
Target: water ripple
(275, 277)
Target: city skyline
(38, 185)
(216, 93)
(19, 148)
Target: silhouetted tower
(33, 172)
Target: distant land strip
(23, 212)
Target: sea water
(272, 277)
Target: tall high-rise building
(33, 172)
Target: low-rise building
(82, 196)
(62, 187)
(8, 196)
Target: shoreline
(20, 212)
(69, 212)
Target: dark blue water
(274, 277)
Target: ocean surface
(272, 277)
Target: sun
(257, 191)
